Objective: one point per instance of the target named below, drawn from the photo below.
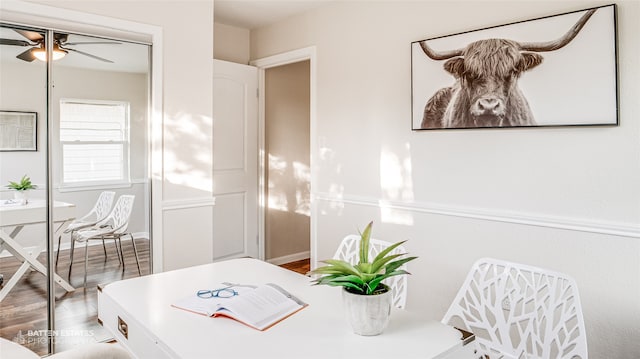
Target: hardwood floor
(301, 266)
(23, 313)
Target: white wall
(232, 43)
(562, 198)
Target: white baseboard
(289, 258)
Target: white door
(235, 160)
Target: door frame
(285, 58)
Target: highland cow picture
(554, 71)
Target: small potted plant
(22, 187)
(367, 300)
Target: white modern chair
(520, 311)
(348, 251)
(99, 211)
(114, 226)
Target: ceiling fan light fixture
(41, 54)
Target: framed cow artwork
(559, 70)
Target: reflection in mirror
(23, 93)
(100, 113)
(99, 167)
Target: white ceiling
(252, 14)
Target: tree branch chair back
(520, 311)
(99, 212)
(349, 249)
(114, 226)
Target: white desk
(141, 308)
(18, 216)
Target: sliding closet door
(78, 128)
(23, 215)
(100, 145)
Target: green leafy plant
(364, 277)
(23, 185)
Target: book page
(208, 306)
(257, 306)
(260, 308)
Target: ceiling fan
(61, 47)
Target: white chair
(99, 211)
(348, 251)
(114, 226)
(520, 311)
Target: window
(94, 136)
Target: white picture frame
(18, 131)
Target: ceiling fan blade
(15, 42)
(27, 56)
(60, 37)
(93, 43)
(31, 35)
(86, 54)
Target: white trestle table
(139, 314)
(16, 216)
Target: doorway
(287, 170)
(286, 140)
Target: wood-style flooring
(23, 313)
(302, 266)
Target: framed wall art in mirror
(18, 131)
(559, 70)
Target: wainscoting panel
(230, 240)
(187, 225)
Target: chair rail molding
(494, 215)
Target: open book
(259, 306)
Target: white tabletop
(318, 331)
(12, 214)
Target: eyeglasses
(226, 292)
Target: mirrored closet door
(93, 150)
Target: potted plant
(22, 187)
(367, 300)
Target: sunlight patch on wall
(329, 165)
(277, 164)
(301, 172)
(288, 186)
(276, 199)
(396, 184)
(187, 155)
(302, 175)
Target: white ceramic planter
(368, 314)
(21, 196)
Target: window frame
(126, 148)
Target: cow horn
(439, 55)
(561, 42)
